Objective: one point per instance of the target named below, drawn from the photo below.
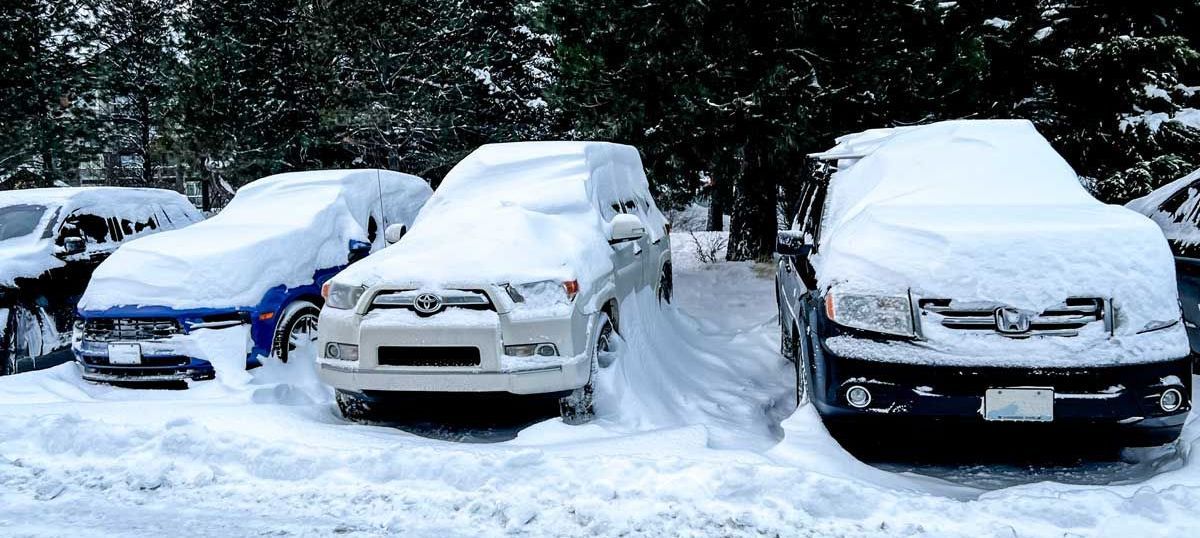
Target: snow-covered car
(241, 285)
(513, 279)
(50, 242)
(1175, 207)
(958, 271)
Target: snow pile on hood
(515, 213)
(277, 231)
(31, 255)
(1179, 224)
(987, 211)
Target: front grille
(406, 299)
(428, 356)
(129, 329)
(1065, 319)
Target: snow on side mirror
(394, 233)
(626, 227)
(791, 243)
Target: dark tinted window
(93, 228)
(19, 220)
(1181, 206)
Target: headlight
(544, 293)
(341, 296)
(879, 313)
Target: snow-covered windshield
(19, 220)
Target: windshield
(19, 220)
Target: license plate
(124, 354)
(1019, 405)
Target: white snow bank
(517, 213)
(987, 211)
(273, 459)
(31, 255)
(276, 231)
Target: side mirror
(791, 243)
(359, 250)
(72, 245)
(626, 227)
(394, 233)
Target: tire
(354, 407)
(299, 321)
(800, 362)
(666, 285)
(8, 347)
(578, 407)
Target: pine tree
(135, 58)
(249, 90)
(420, 85)
(46, 116)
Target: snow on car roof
(87, 195)
(278, 230)
(962, 162)
(516, 212)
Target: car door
(1183, 209)
(791, 286)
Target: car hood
(25, 259)
(1030, 257)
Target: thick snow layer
(31, 255)
(1178, 225)
(517, 213)
(276, 231)
(272, 457)
(986, 211)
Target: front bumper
(162, 361)
(485, 331)
(1121, 397)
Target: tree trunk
(716, 208)
(753, 224)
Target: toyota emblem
(427, 303)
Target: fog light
(529, 350)
(341, 352)
(1170, 400)
(858, 396)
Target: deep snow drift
(271, 456)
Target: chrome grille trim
(129, 329)
(1065, 319)
(477, 299)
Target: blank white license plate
(1019, 405)
(124, 354)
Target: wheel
(800, 362)
(8, 348)
(579, 406)
(666, 285)
(297, 326)
(354, 407)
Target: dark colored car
(50, 242)
(958, 274)
(1175, 207)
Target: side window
(92, 228)
(372, 229)
(1182, 206)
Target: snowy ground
(702, 441)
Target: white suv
(512, 279)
